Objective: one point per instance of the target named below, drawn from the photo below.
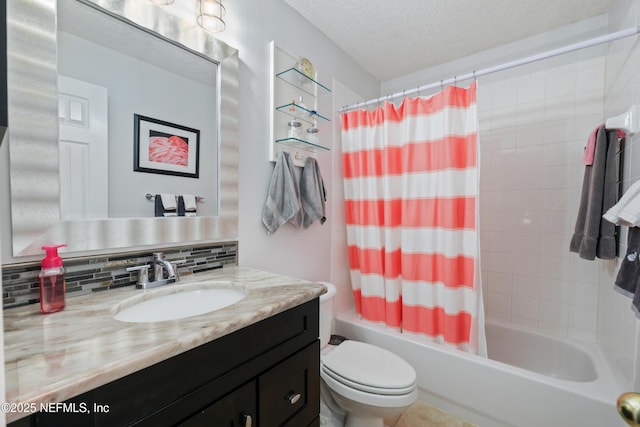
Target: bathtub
(529, 380)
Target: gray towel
(312, 193)
(594, 237)
(283, 200)
(629, 273)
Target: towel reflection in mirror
(166, 204)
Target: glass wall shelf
(294, 110)
(300, 143)
(296, 78)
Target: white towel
(168, 201)
(627, 210)
(283, 198)
(312, 193)
(190, 204)
(165, 205)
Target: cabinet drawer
(236, 409)
(289, 393)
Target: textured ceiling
(395, 38)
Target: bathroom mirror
(34, 131)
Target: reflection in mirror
(109, 71)
(33, 126)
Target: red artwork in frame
(165, 148)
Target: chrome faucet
(160, 264)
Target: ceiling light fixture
(210, 13)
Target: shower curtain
(411, 195)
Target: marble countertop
(53, 357)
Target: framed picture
(165, 148)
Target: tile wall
(20, 283)
(533, 129)
(619, 330)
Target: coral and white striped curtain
(411, 194)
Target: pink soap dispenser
(52, 284)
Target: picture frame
(165, 148)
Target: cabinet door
(289, 393)
(236, 409)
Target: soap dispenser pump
(52, 284)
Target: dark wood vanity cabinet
(265, 375)
(236, 409)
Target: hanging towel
(180, 206)
(283, 199)
(189, 204)
(594, 237)
(629, 273)
(627, 210)
(312, 193)
(165, 204)
(589, 149)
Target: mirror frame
(33, 135)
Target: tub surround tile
(539, 189)
(51, 358)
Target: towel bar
(629, 121)
(150, 196)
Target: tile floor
(422, 415)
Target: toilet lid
(369, 368)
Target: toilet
(361, 384)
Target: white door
(84, 172)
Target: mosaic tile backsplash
(20, 283)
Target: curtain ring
(418, 90)
(455, 80)
(474, 75)
(441, 86)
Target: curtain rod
(554, 52)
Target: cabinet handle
(246, 420)
(293, 397)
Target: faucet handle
(175, 267)
(143, 274)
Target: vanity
(254, 363)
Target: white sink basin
(177, 302)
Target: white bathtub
(543, 382)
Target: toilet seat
(364, 387)
(369, 369)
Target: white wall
(251, 25)
(619, 330)
(340, 273)
(533, 130)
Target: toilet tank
(326, 313)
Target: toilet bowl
(362, 383)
